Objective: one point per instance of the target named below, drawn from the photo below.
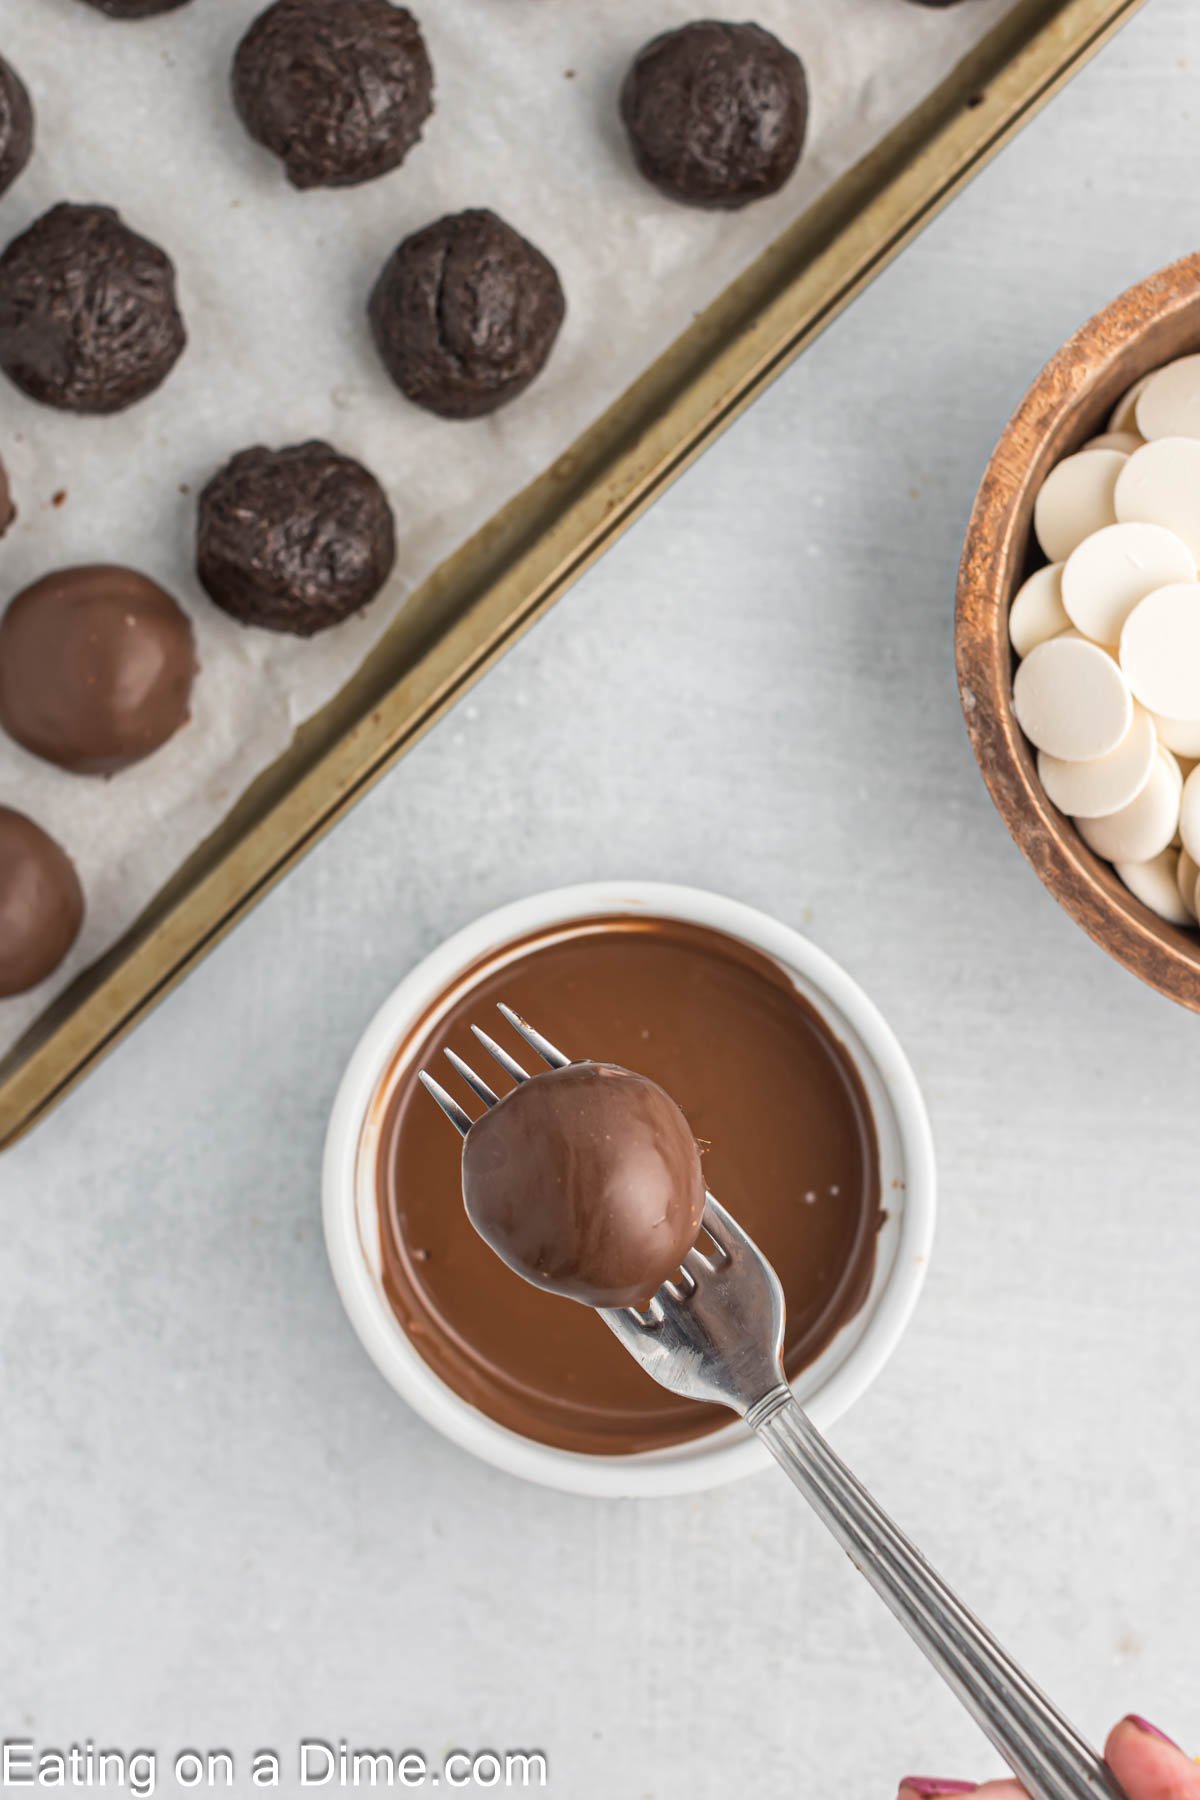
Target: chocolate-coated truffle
(294, 540)
(586, 1181)
(338, 89)
(135, 9)
(88, 320)
(41, 903)
(716, 113)
(96, 667)
(8, 510)
(465, 314)
(16, 125)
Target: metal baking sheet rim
(496, 585)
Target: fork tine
(627, 1325)
(537, 1043)
(475, 1082)
(680, 1286)
(724, 1229)
(508, 1063)
(461, 1121)
(696, 1264)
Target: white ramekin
(828, 1387)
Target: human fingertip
(1149, 1764)
(927, 1787)
(1153, 1731)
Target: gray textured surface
(220, 1527)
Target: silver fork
(715, 1333)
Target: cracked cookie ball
(16, 125)
(338, 89)
(294, 540)
(8, 506)
(716, 113)
(465, 314)
(88, 317)
(135, 9)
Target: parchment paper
(273, 286)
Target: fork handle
(1037, 1743)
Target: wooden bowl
(1068, 403)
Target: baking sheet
(273, 286)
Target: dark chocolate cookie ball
(96, 668)
(294, 540)
(88, 319)
(135, 9)
(41, 903)
(16, 125)
(586, 1181)
(339, 89)
(716, 113)
(465, 314)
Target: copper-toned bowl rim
(1069, 401)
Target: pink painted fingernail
(930, 1785)
(1152, 1730)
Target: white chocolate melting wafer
(1189, 816)
(1169, 403)
(1071, 699)
(1037, 612)
(1187, 878)
(1124, 441)
(1103, 580)
(1160, 650)
(1160, 485)
(1145, 827)
(1092, 790)
(1155, 884)
(1124, 413)
(1180, 735)
(1077, 498)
